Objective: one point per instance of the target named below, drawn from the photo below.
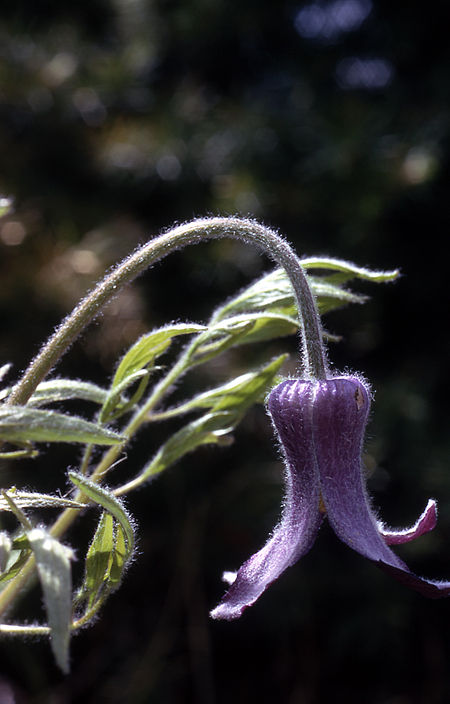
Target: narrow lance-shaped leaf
(4, 369)
(31, 499)
(331, 296)
(54, 570)
(98, 560)
(218, 338)
(274, 290)
(65, 390)
(108, 501)
(228, 404)
(119, 557)
(267, 325)
(111, 548)
(20, 542)
(57, 390)
(114, 402)
(250, 327)
(24, 450)
(348, 270)
(19, 424)
(16, 560)
(239, 393)
(5, 550)
(212, 428)
(106, 561)
(149, 347)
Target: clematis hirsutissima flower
(321, 424)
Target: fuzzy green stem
(313, 355)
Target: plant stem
(313, 354)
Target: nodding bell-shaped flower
(321, 426)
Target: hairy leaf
(27, 450)
(30, 499)
(66, 390)
(5, 550)
(4, 369)
(17, 559)
(239, 393)
(149, 347)
(218, 338)
(108, 501)
(98, 560)
(274, 291)
(55, 575)
(120, 557)
(212, 428)
(19, 424)
(348, 270)
(114, 401)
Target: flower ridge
(321, 425)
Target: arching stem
(313, 355)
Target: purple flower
(321, 427)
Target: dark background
(330, 121)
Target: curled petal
(426, 522)
(290, 405)
(340, 415)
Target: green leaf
(264, 326)
(209, 429)
(19, 424)
(15, 563)
(111, 548)
(63, 390)
(98, 559)
(238, 394)
(114, 400)
(349, 270)
(274, 292)
(331, 296)
(29, 499)
(106, 561)
(149, 347)
(55, 575)
(218, 338)
(108, 501)
(250, 327)
(120, 557)
(66, 390)
(4, 369)
(5, 550)
(27, 451)
(20, 542)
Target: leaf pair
(111, 548)
(107, 558)
(136, 366)
(226, 405)
(274, 292)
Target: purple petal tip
(426, 522)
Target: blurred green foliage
(329, 120)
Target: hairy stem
(313, 355)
